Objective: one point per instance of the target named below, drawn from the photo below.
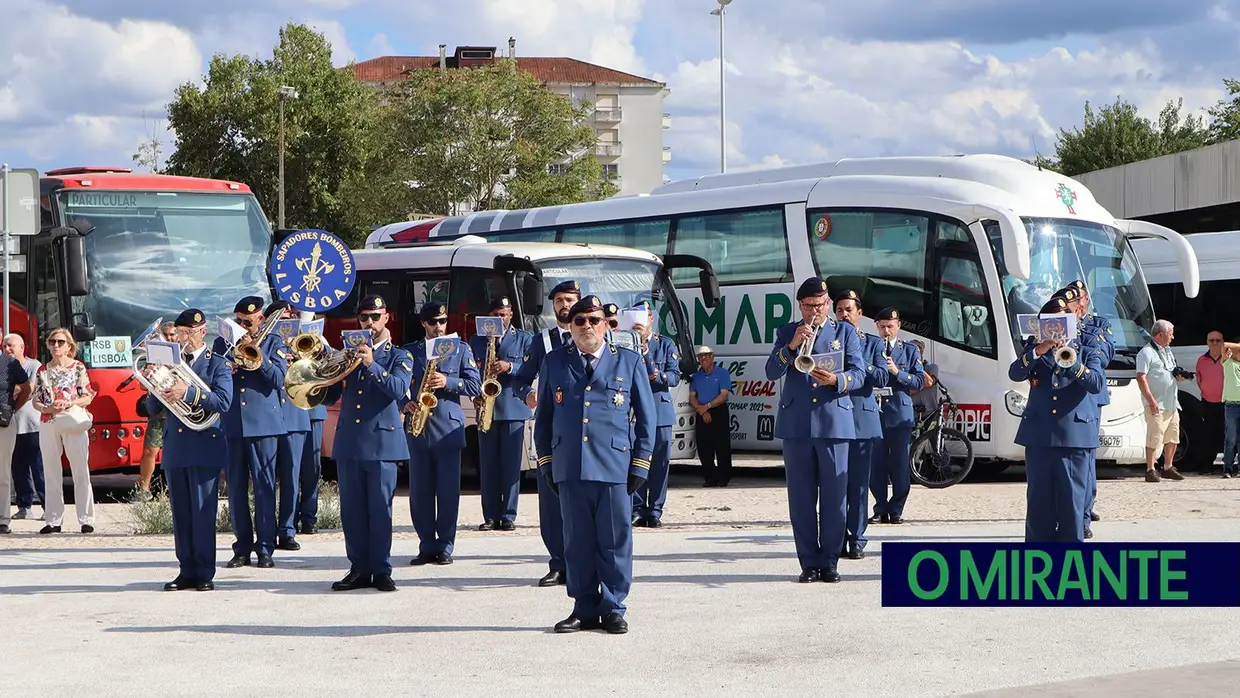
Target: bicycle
(941, 455)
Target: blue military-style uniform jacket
(663, 362)
(532, 362)
(513, 347)
(1062, 411)
(1096, 332)
(582, 426)
(184, 447)
(866, 414)
(258, 392)
(369, 426)
(445, 427)
(295, 418)
(808, 410)
(898, 408)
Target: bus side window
(648, 236)
(965, 318)
(471, 294)
(742, 246)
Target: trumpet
(1065, 356)
(805, 360)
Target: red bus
(119, 250)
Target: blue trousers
(551, 523)
(499, 469)
(434, 496)
(366, 491)
(1055, 494)
(1091, 485)
(891, 465)
(311, 474)
(193, 494)
(648, 500)
(28, 470)
(598, 546)
(817, 475)
(253, 458)
(288, 472)
(861, 455)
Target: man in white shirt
(1157, 377)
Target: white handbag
(74, 420)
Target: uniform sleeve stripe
(544, 460)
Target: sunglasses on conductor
(581, 321)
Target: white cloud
(379, 46)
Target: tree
(151, 149)
(229, 129)
(484, 138)
(1118, 135)
(1225, 116)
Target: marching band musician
(1096, 330)
(595, 457)
(369, 443)
(868, 444)
(663, 366)
(550, 520)
(435, 454)
(500, 451)
(815, 424)
(907, 374)
(311, 470)
(254, 424)
(191, 459)
(1058, 429)
(290, 447)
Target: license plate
(1111, 441)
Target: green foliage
(153, 516)
(1118, 135)
(1225, 115)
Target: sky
(85, 81)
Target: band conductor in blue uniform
(500, 447)
(815, 423)
(1058, 429)
(290, 447)
(369, 443)
(594, 434)
(663, 365)
(906, 375)
(435, 453)
(254, 424)
(867, 420)
(191, 459)
(550, 519)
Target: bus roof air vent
(469, 240)
(87, 170)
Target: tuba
(163, 377)
(491, 388)
(805, 360)
(316, 368)
(247, 353)
(425, 399)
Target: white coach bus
(960, 245)
(1214, 308)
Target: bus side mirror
(83, 328)
(532, 295)
(72, 253)
(710, 288)
(707, 278)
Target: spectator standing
(27, 461)
(1210, 384)
(62, 387)
(1231, 406)
(709, 389)
(14, 391)
(1157, 376)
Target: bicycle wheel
(936, 463)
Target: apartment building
(628, 109)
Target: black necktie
(589, 366)
(189, 357)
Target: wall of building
(1195, 179)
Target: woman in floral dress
(62, 385)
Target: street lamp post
(723, 114)
(286, 93)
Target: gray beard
(586, 348)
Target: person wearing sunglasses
(254, 424)
(435, 454)
(500, 449)
(62, 384)
(662, 363)
(594, 432)
(550, 521)
(369, 444)
(291, 445)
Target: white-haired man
(1157, 377)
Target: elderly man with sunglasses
(590, 395)
(254, 424)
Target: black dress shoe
(507, 525)
(1089, 533)
(1094, 517)
(383, 582)
(50, 529)
(238, 561)
(207, 585)
(878, 518)
(572, 624)
(828, 574)
(87, 528)
(551, 579)
(639, 521)
(422, 559)
(443, 559)
(855, 552)
(288, 544)
(654, 523)
(615, 624)
(487, 525)
(893, 519)
(265, 562)
(809, 574)
(352, 580)
(307, 529)
(178, 584)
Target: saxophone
(491, 388)
(426, 400)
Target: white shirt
(197, 353)
(595, 356)
(27, 418)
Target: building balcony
(607, 115)
(667, 121)
(667, 154)
(609, 150)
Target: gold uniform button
(359, 421)
(815, 399)
(1054, 397)
(243, 390)
(587, 387)
(1054, 411)
(359, 407)
(359, 392)
(586, 420)
(179, 430)
(585, 438)
(243, 403)
(587, 403)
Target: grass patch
(148, 517)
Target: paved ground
(713, 609)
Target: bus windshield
(154, 254)
(1064, 250)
